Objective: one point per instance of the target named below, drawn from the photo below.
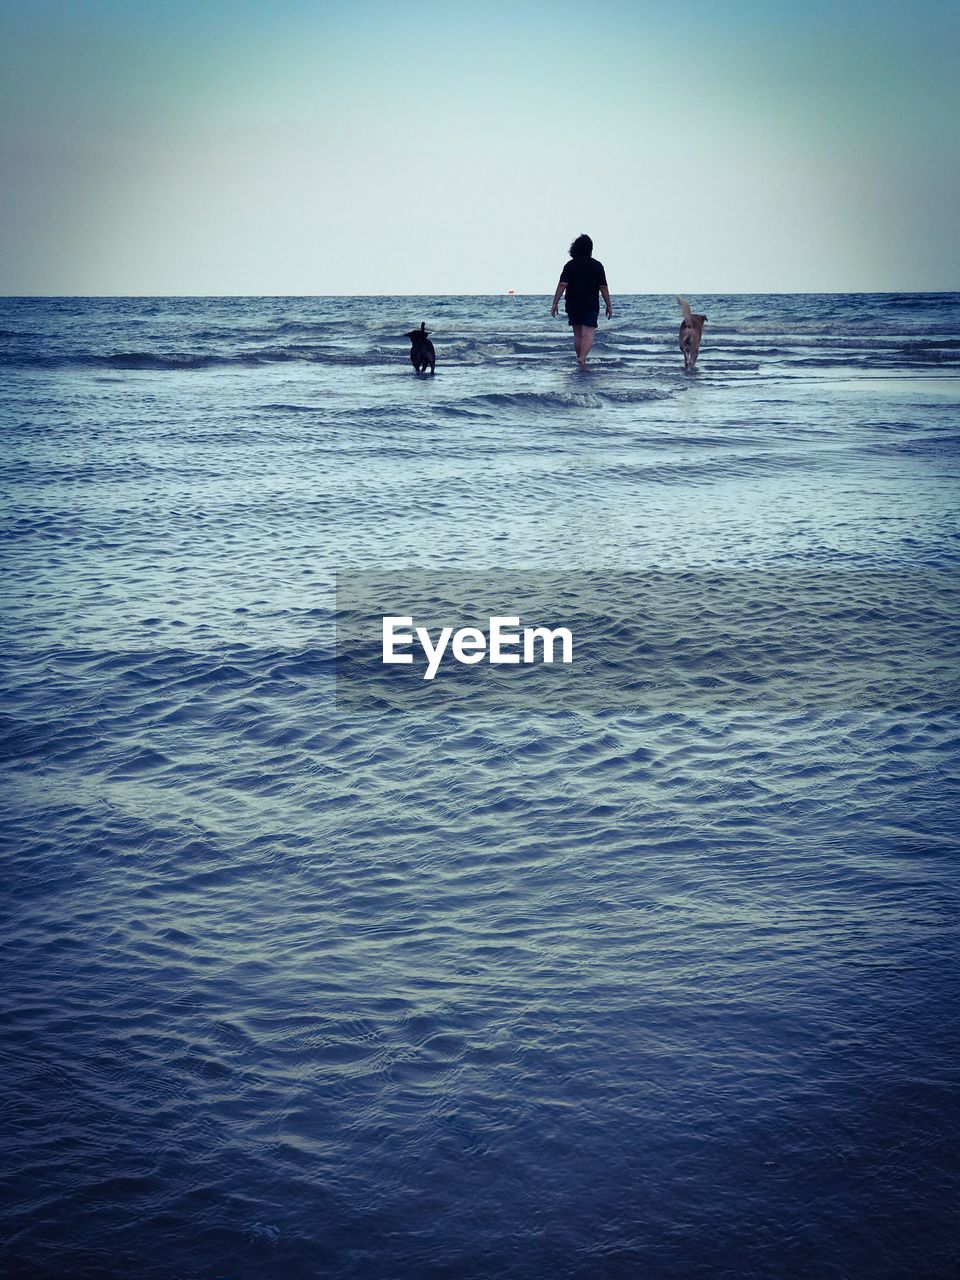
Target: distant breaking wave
(743, 336)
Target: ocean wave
(174, 361)
(736, 341)
(151, 360)
(495, 402)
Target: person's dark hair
(582, 247)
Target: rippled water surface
(654, 986)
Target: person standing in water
(584, 280)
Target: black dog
(422, 352)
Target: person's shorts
(578, 316)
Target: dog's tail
(684, 306)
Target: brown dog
(691, 331)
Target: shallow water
(299, 986)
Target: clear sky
(287, 147)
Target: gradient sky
(227, 147)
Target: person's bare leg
(577, 336)
(586, 342)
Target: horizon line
(724, 293)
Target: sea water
(300, 984)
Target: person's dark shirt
(583, 277)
